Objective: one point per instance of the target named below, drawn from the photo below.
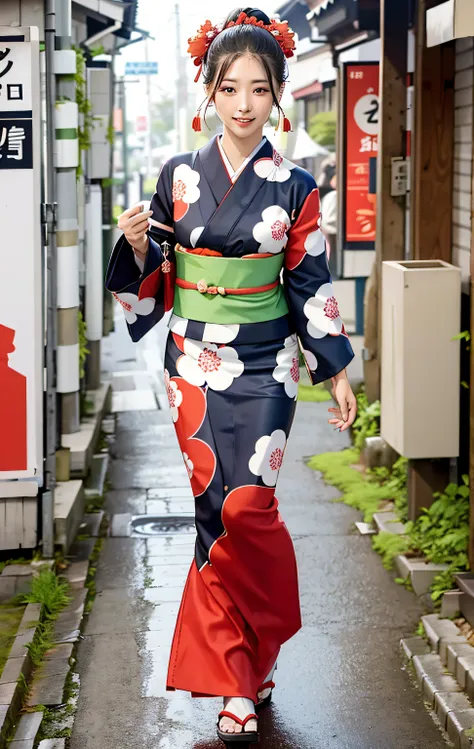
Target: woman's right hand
(134, 224)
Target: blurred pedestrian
(329, 223)
(223, 222)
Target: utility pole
(67, 237)
(47, 513)
(177, 102)
(123, 107)
(149, 163)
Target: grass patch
(313, 393)
(10, 618)
(91, 575)
(389, 546)
(356, 491)
(52, 593)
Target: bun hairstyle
(238, 40)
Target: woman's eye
(261, 90)
(227, 90)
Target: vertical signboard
(360, 127)
(21, 336)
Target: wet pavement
(340, 683)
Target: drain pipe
(51, 341)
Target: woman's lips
(242, 122)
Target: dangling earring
(197, 122)
(284, 123)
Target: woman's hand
(134, 224)
(344, 416)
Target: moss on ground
(313, 393)
(10, 618)
(357, 491)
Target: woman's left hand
(344, 416)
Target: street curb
(443, 666)
(17, 670)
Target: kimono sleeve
(145, 290)
(308, 285)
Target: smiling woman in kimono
(224, 221)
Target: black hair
(234, 42)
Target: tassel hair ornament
(284, 123)
(197, 122)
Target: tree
(322, 128)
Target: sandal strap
(266, 685)
(243, 723)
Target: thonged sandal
(244, 737)
(269, 684)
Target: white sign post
(21, 315)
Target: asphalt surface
(340, 682)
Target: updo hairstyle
(236, 41)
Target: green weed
(313, 393)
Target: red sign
(142, 123)
(361, 122)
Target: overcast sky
(158, 17)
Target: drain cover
(161, 525)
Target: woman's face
(244, 100)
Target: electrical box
(99, 88)
(420, 378)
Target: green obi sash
(229, 273)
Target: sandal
(244, 737)
(269, 684)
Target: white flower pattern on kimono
(287, 370)
(322, 312)
(189, 465)
(133, 306)
(178, 325)
(271, 233)
(315, 243)
(175, 396)
(311, 360)
(268, 456)
(204, 362)
(185, 190)
(195, 234)
(276, 169)
(220, 333)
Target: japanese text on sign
(11, 91)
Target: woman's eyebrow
(234, 80)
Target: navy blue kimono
(232, 391)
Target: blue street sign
(141, 68)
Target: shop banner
(360, 127)
(21, 330)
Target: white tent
(296, 145)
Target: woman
(223, 222)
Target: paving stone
(431, 675)
(52, 744)
(464, 665)
(7, 587)
(26, 744)
(76, 573)
(458, 724)
(56, 662)
(120, 525)
(49, 690)
(68, 624)
(470, 684)
(7, 692)
(94, 483)
(388, 522)
(30, 618)
(82, 550)
(17, 570)
(411, 646)
(19, 647)
(437, 629)
(446, 702)
(14, 667)
(447, 642)
(455, 651)
(28, 727)
(93, 522)
(451, 603)
(3, 717)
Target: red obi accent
(203, 288)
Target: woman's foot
(241, 707)
(264, 694)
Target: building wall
(463, 155)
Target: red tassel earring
(286, 125)
(197, 122)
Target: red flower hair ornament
(202, 40)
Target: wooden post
(390, 238)
(471, 391)
(432, 200)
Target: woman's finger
(140, 217)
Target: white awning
(453, 19)
(315, 67)
(296, 145)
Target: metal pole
(124, 141)
(177, 106)
(51, 340)
(148, 96)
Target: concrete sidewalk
(339, 683)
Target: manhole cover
(162, 525)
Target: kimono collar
(234, 173)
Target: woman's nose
(244, 105)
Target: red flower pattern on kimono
(305, 236)
(191, 406)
